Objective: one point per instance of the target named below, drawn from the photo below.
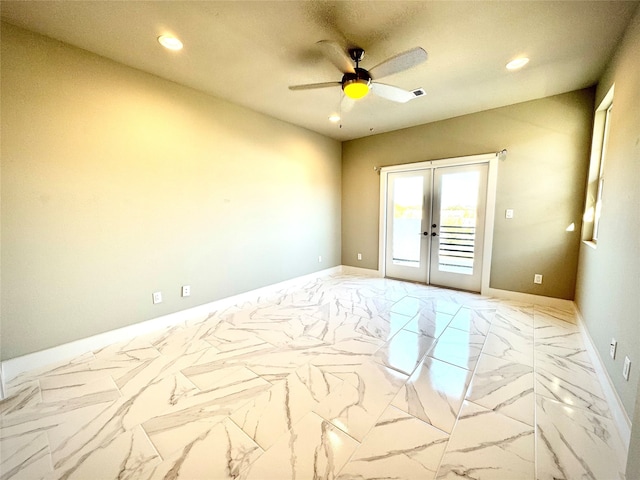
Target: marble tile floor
(344, 377)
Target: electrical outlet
(157, 297)
(359, 256)
(537, 278)
(508, 213)
(186, 290)
(319, 258)
(612, 348)
(626, 368)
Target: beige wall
(542, 179)
(116, 184)
(608, 284)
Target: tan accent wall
(116, 184)
(542, 180)
(608, 287)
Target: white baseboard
(349, 270)
(559, 303)
(9, 369)
(618, 412)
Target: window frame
(596, 179)
(603, 156)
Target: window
(595, 187)
(603, 152)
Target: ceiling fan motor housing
(360, 76)
(356, 84)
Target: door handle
(434, 234)
(433, 226)
(425, 233)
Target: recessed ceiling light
(334, 118)
(517, 63)
(172, 43)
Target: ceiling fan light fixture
(356, 89)
(172, 43)
(517, 63)
(356, 84)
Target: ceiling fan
(357, 82)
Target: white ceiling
(250, 52)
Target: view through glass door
(435, 225)
(408, 216)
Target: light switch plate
(508, 213)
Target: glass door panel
(408, 210)
(458, 213)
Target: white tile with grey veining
(50, 416)
(221, 451)
(518, 323)
(486, 445)
(429, 322)
(25, 456)
(561, 338)
(176, 339)
(509, 343)
(52, 391)
(434, 393)
(178, 425)
(404, 351)
(475, 321)
(562, 342)
(332, 331)
(573, 443)
(415, 452)
(505, 387)
(96, 429)
(355, 406)
(458, 348)
(273, 412)
(78, 367)
(518, 311)
(476, 301)
(207, 369)
(341, 357)
(565, 313)
(433, 302)
(125, 455)
(313, 448)
(382, 327)
(570, 382)
(27, 395)
(317, 373)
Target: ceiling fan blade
(346, 104)
(310, 86)
(399, 63)
(395, 94)
(336, 55)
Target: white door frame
(492, 182)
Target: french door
(434, 229)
